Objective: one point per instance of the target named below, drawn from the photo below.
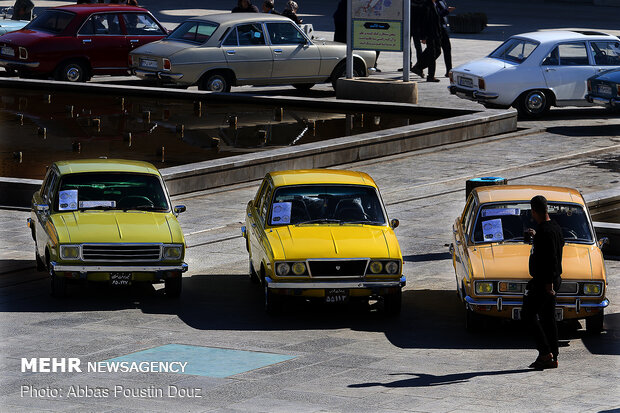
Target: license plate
(559, 314)
(120, 278)
(151, 64)
(7, 51)
(604, 90)
(336, 295)
(465, 81)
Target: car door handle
(84, 41)
(549, 70)
(230, 52)
(134, 41)
(278, 51)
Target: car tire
(215, 82)
(253, 275)
(72, 71)
(594, 324)
(533, 103)
(392, 303)
(341, 71)
(473, 321)
(173, 286)
(273, 302)
(303, 87)
(58, 285)
(41, 267)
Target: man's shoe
(432, 79)
(543, 363)
(447, 74)
(379, 70)
(417, 71)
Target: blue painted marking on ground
(206, 361)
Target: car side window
(606, 53)
(101, 24)
(231, 39)
(250, 34)
(573, 54)
(141, 24)
(49, 187)
(266, 203)
(285, 33)
(469, 214)
(552, 59)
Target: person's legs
(435, 50)
(530, 314)
(446, 48)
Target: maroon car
(75, 42)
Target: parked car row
(310, 234)
(215, 52)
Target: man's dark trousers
(539, 315)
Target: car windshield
(124, 191)
(319, 204)
(53, 21)
(508, 222)
(193, 32)
(515, 50)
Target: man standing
(539, 299)
(444, 10)
(426, 23)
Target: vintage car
(604, 89)
(109, 221)
(73, 43)
(490, 255)
(218, 51)
(534, 71)
(323, 234)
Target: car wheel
(273, 302)
(73, 71)
(58, 285)
(392, 303)
(253, 275)
(40, 263)
(341, 71)
(173, 286)
(533, 103)
(216, 82)
(473, 321)
(594, 324)
(304, 87)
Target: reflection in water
(37, 129)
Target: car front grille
(336, 268)
(121, 253)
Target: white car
(534, 71)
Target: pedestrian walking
(290, 11)
(446, 48)
(426, 24)
(545, 267)
(415, 37)
(269, 7)
(340, 22)
(245, 6)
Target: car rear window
(193, 31)
(53, 21)
(515, 50)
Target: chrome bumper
(611, 102)
(472, 94)
(30, 65)
(117, 268)
(500, 303)
(321, 285)
(145, 74)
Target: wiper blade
(320, 221)
(145, 208)
(101, 207)
(367, 222)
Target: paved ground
(345, 359)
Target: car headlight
(391, 267)
(69, 252)
(299, 268)
(283, 268)
(592, 289)
(173, 252)
(376, 267)
(484, 287)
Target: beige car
(218, 51)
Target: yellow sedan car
(490, 255)
(324, 235)
(108, 221)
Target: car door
(566, 70)
(43, 227)
(294, 56)
(104, 42)
(606, 54)
(141, 28)
(461, 234)
(257, 227)
(248, 54)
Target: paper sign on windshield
(67, 200)
(281, 213)
(496, 212)
(95, 204)
(492, 230)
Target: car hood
(163, 48)
(511, 261)
(333, 241)
(24, 37)
(117, 226)
(483, 67)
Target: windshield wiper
(364, 221)
(145, 208)
(99, 207)
(320, 221)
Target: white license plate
(336, 295)
(466, 81)
(559, 314)
(7, 51)
(120, 278)
(151, 64)
(604, 90)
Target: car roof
(235, 18)
(105, 165)
(320, 176)
(500, 193)
(94, 8)
(548, 36)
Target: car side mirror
(42, 207)
(602, 242)
(394, 223)
(179, 209)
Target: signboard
(377, 25)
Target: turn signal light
(589, 83)
(23, 53)
(167, 64)
(618, 89)
(481, 84)
(130, 60)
